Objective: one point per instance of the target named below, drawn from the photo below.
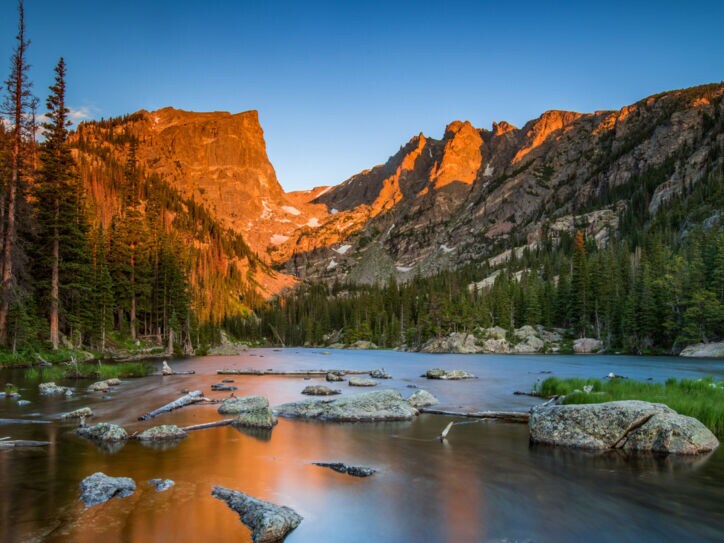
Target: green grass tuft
(702, 399)
(89, 371)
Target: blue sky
(341, 85)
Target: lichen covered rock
(380, 405)
(422, 398)
(99, 488)
(103, 432)
(234, 406)
(165, 432)
(450, 375)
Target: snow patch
(445, 249)
(488, 170)
(333, 211)
(291, 210)
(313, 222)
(404, 269)
(343, 249)
(278, 239)
(325, 191)
(266, 210)
(332, 264)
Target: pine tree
(16, 106)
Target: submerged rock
(23, 402)
(234, 406)
(355, 471)
(99, 488)
(51, 389)
(319, 390)
(704, 350)
(628, 425)
(380, 405)
(422, 398)
(162, 484)
(268, 522)
(223, 387)
(451, 375)
(361, 382)
(78, 413)
(165, 432)
(333, 377)
(103, 431)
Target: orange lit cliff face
(435, 203)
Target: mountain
(438, 204)
(476, 195)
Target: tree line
(68, 276)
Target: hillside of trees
(655, 287)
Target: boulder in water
(380, 405)
(99, 488)
(234, 406)
(268, 522)
(51, 389)
(319, 390)
(262, 418)
(629, 425)
(361, 382)
(354, 471)
(448, 375)
(78, 413)
(165, 432)
(103, 432)
(422, 398)
(162, 484)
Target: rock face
(99, 488)
(422, 398)
(354, 471)
(51, 389)
(456, 342)
(262, 418)
(628, 425)
(587, 345)
(234, 406)
(704, 350)
(269, 523)
(380, 405)
(103, 432)
(319, 390)
(450, 375)
(362, 382)
(165, 432)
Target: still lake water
(485, 484)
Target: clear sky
(341, 85)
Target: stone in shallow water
(380, 374)
(78, 413)
(259, 418)
(162, 484)
(103, 431)
(628, 425)
(362, 382)
(451, 375)
(380, 405)
(422, 398)
(223, 387)
(99, 488)
(268, 522)
(333, 377)
(234, 406)
(165, 432)
(355, 471)
(319, 390)
(51, 389)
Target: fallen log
(505, 416)
(206, 425)
(161, 374)
(23, 421)
(300, 373)
(22, 443)
(188, 399)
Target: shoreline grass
(702, 399)
(89, 371)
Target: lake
(486, 483)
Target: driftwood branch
(505, 416)
(22, 443)
(300, 373)
(161, 374)
(189, 399)
(446, 431)
(206, 425)
(23, 421)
